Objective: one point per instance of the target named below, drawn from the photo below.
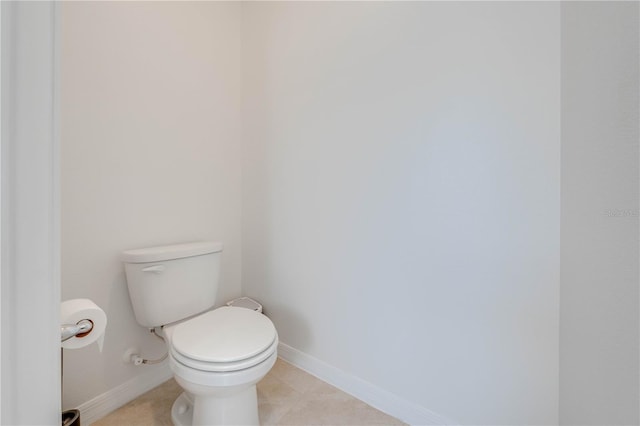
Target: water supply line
(138, 360)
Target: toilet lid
(225, 334)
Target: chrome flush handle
(155, 269)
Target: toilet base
(182, 411)
(238, 409)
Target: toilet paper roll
(74, 310)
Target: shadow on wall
(301, 333)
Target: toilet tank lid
(175, 251)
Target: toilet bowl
(217, 356)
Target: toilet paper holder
(79, 329)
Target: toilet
(217, 356)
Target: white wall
(150, 155)
(401, 196)
(399, 189)
(599, 326)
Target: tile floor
(286, 396)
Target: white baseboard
(376, 397)
(115, 398)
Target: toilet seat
(224, 340)
(224, 366)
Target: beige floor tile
(151, 408)
(370, 416)
(273, 390)
(321, 412)
(335, 408)
(270, 413)
(324, 390)
(286, 396)
(299, 380)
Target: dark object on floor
(71, 418)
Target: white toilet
(217, 356)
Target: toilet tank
(170, 283)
